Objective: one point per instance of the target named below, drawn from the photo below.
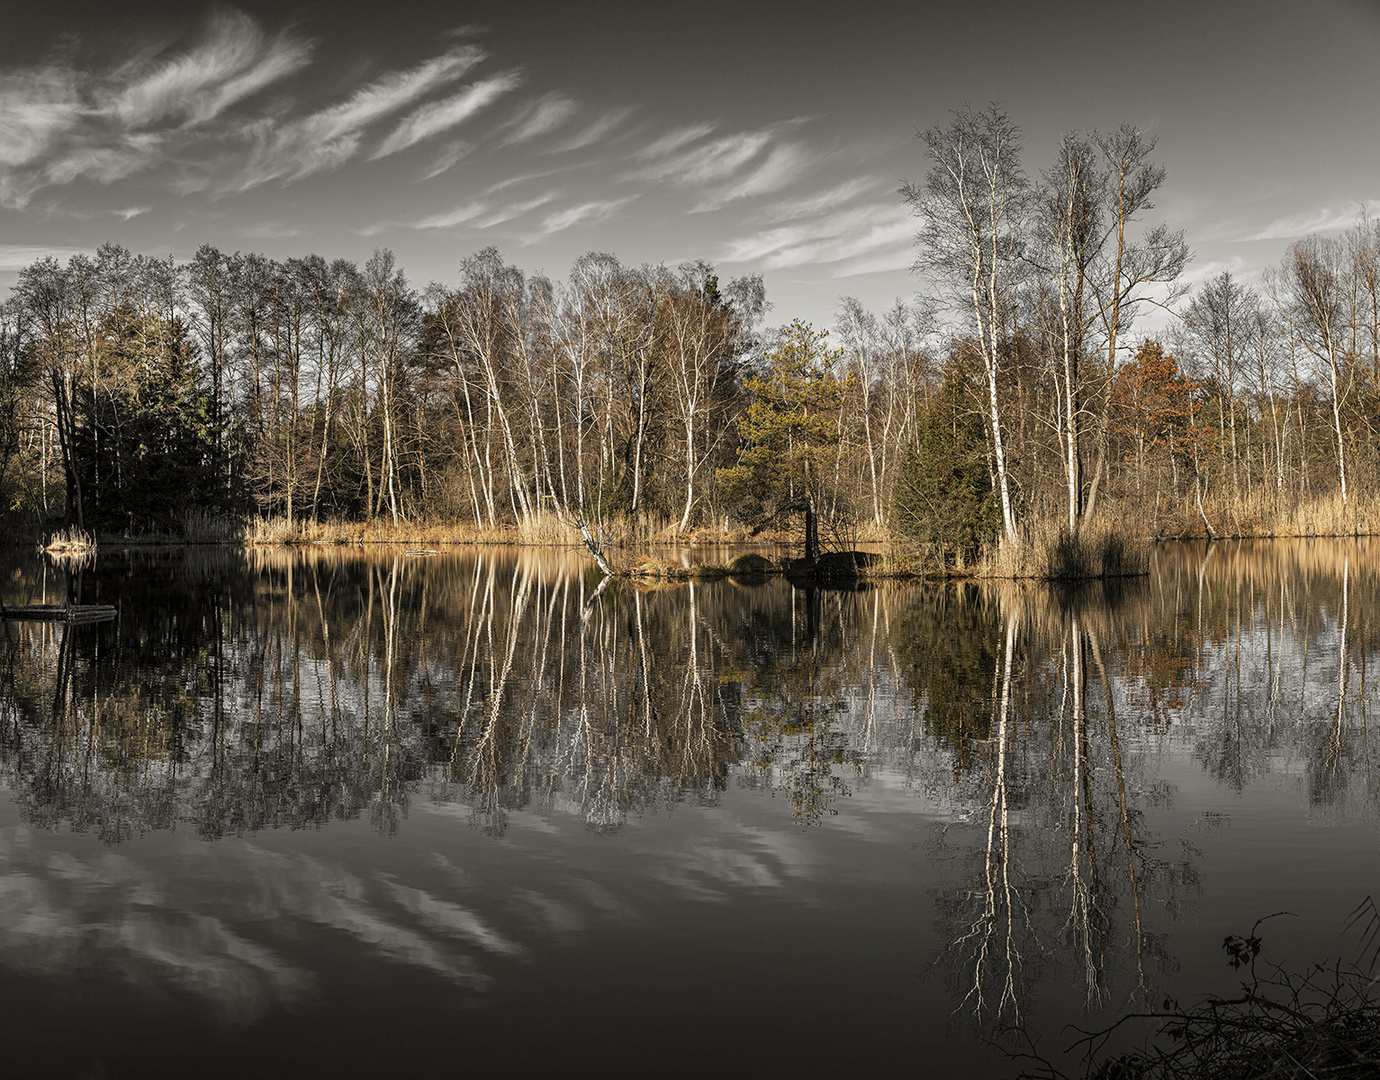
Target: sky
(766, 139)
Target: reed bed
(272, 532)
(1327, 516)
(1047, 551)
(548, 530)
(655, 569)
(71, 541)
(200, 527)
(1116, 544)
(1265, 514)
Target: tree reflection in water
(293, 688)
(1050, 826)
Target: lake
(329, 810)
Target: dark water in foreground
(307, 813)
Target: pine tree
(790, 436)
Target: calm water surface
(310, 811)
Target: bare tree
(44, 294)
(1218, 319)
(701, 359)
(973, 207)
(1134, 268)
(1071, 234)
(385, 313)
(1307, 288)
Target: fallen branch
(592, 546)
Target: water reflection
(237, 693)
(1050, 823)
(293, 687)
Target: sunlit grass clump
(71, 541)
(1101, 549)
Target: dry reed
(1047, 551)
(1266, 513)
(201, 527)
(1115, 544)
(271, 532)
(71, 541)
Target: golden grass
(272, 532)
(1116, 544)
(1327, 516)
(1101, 549)
(550, 530)
(654, 569)
(1265, 513)
(71, 541)
(902, 563)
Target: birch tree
(1219, 319)
(973, 208)
(701, 360)
(1307, 288)
(1071, 229)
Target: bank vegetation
(1010, 417)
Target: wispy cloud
(707, 163)
(585, 213)
(439, 116)
(451, 218)
(18, 256)
(885, 262)
(852, 233)
(59, 123)
(727, 168)
(1324, 219)
(595, 131)
(448, 158)
(820, 202)
(512, 211)
(235, 59)
(1201, 272)
(674, 140)
(270, 230)
(483, 214)
(784, 165)
(104, 164)
(130, 212)
(541, 118)
(37, 106)
(454, 920)
(328, 138)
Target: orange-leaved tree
(1155, 407)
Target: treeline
(140, 394)
(141, 390)
(1254, 411)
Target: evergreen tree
(944, 498)
(790, 437)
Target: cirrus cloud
(59, 123)
(443, 115)
(235, 60)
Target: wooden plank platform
(59, 612)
